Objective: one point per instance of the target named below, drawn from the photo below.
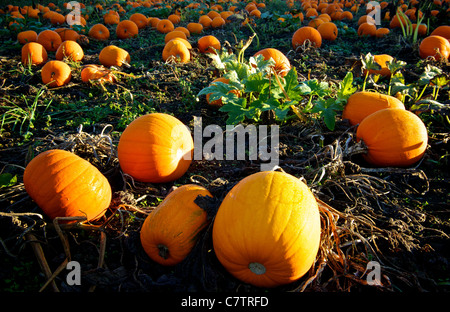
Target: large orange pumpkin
(56, 74)
(282, 64)
(70, 49)
(155, 148)
(65, 185)
(267, 229)
(306, 33)
(113, 56)
(394, 137)
(362, 104)
(34, 53)
(434, 47)
(169, 233)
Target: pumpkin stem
(257, 268)
(163, 251)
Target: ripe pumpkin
(177, 51)
(71, 50)
(430, 46)
(305, 33)
(362, 104)
(27, 36)
(56, 74)
(394, 137)
(113, 56)
(443, 31)
(139, 19)
(99, 32)
(164, 26)
(174, 34)
(206, 43)
(205, 20)
(155, 148)
(169, 232)
(195, 28)
(382, 60)
(49, 39)
(267, 229)
(328, 31)
(65, 185)
(96, 72)
(218, 102)
(35, 53)
(217, 22)
(186, 31)
(282, 64)
(367, 29)
(126, 29)
(67, 34)
(168, 47)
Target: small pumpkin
(67, 34)
(99, 32)
(443, 31)
(174, 34)
(177, 51)
(195, 28)
(139, 19)
(71, 50)
(113, 56)
(328, 31)
(267, 230)
(126, 29)
(206, 44)
(49, 39)
(217, 22)
(169, 232)
(155, 148)
(169, 45)
(364, 103)
(65, 185)
(96, 72)
(164, 26)
(306, 33)
(35, 53)
(56, 74)
(367, 30)
(27, 36)
(394, 138)
(381, 60)
(282, 64)
(205, 20)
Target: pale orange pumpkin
(267, 230)
(169, 232)
(155, 148)
(282, 64)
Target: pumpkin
(126, 29)
(49, 39)
(113, 56)
(177, 51)
(111, 18)
(195, 28)
(206, 44)
(282, 64)
(205, 20)
(362, 104)
(217, 22)
(394, 137)
(255, 13)
(186, 31)
(174, 18)
(382, 60)
(267, 229)
(367, 29)
(443, 31)
(56, 73)
(316, 22)
(99, 32)
(35, 53)
(71, 50)
(434, 47)
(96, 72)
(381, 32)
(67, 34)
(174, 34)
(65, 185)
(155, 148)
(306, 33)
(139, 19)
(164, 26)
(218, 102)
(27, 36)
(328, 31)
(170, 232)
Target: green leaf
(7, 179)
(346, 88)
(429, 73)
(256, 83)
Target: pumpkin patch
(224, 146)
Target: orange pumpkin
(164, 26)
(99, 32)
(178, 51)
(155, 148)
(443, 31)
(174, 34)
(35, 53)
(195, 28)
(434, 47)
(49, 39)
(382, 60)
(113, 56)
(126, 29)
(71, 50)
(67, 34)
(362, 104)
(267, 229)
(206, 44)
(328, 31)
(394, 138)
(139, 19)
(367, 29)
(168, 47)
(96, 72)
(56, 73)
(282, 64)
(306, 33)
(27, 36)
(65, 185)
(170, 232)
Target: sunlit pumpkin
(169, 232)
(282, 64)
(155, 148)
(267, 229)
(65, 185)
